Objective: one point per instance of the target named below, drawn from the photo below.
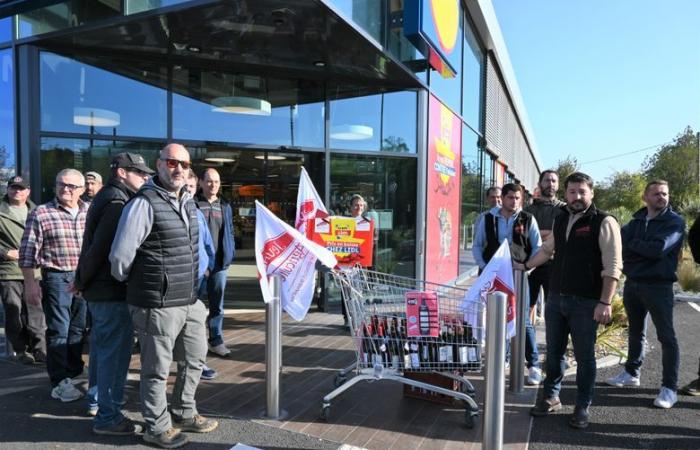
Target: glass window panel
(471, 80)
(365, 13)
(449, 90)
(68, 14)
(81, 98)
(356, 122)
(487, 171)
(399, 122)
(295, 109)
(86, 155)
(7, 118)
(6, 29)
(136, 6)
(389, 187)
(471, 196)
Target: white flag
(281, 250)
(309, 204)
(497, 276)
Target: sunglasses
(173, 163)
(70, 187)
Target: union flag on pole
(497, 276)
(281, 250)
(309, 204)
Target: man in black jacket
(693, 388)
(111, 333)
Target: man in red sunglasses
(155, 251)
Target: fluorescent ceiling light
(219, 156)
(351, 132)
(271, 157)
(241, 105)
(95, 117)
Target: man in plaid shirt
(52, 239)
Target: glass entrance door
(271, 178)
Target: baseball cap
(94, 175)
(18, 182)
(131, 161)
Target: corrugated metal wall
(503, 133)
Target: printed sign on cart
(422, 314)
(444, 175)
(350, 239)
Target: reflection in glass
(68, 14)
(79, 97)
(86, 155)
(449, 90)
(367, 14)
(278, 112)
(399, 122)
(487, 168)
(389, 187)
(472, 70)
(7, 118)
(356, 121)
(471, 196)
(136, 6)
(6, 29)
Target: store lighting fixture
(271, 157)
(219, 156)
(242, 105)
(351, 132)
(95, 117)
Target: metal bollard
(273, 350)
(495, 370)
(517, 346)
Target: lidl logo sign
(433, 27)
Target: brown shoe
(692, 388)
(580, 418)
(545, 406)
(195, 424)
(171, 438)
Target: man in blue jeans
(585, 242)
(651, 244)
(219, 218)
(52, 239)
(111, 335)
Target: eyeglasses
(70, 187)
(172, 163)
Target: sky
(600, 78)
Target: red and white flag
(281, 250)
(497, 276)
(309, 204)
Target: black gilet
(521, 239)
(164, 272)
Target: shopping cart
(386, 343)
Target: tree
(621, 189)
(565, 167)
(677, 163)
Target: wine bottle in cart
(424, 318)
(442, 347)
(473, 349)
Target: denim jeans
(216, 283)
(112, 339)
(656, 300)
(532, 356)
(65, 326)
(564, 315)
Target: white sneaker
(219, 350)
(534, 376)
(623, 379)
(65, 391)
(666, 398)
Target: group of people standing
(576, 254)
(135, 256)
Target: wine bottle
(424, 318)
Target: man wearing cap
(51, 241)
(93, 184)
(111, 333)
(24, 323)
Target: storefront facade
(259, 89)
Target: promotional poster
(350, 239)
(422, 314)
(443, 202)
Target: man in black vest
(155, 250)
(585, 271)
(693, 388)
(111, 335)
(520, 228)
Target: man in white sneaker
(651, 243)
(52, 240)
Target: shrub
(688, 276)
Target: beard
(548, 192)
(577, 206)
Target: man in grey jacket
(155, 250)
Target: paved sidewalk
(625, 417)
